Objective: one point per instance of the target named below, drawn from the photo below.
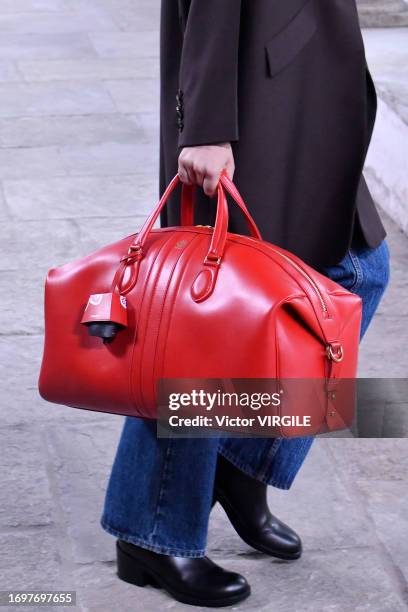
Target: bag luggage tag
(105, 314)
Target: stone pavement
(380, 13)
(386, 168)
(78, 167)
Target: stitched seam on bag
(169, 245)
(162, 310)
(133, 394)
(171, 310)
(137, 327)
(160, 367)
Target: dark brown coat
(286, 82)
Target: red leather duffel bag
(191, 302)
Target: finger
(184, 178)
(189, 169)
(210, 183)
(191, 175)
(199, 177)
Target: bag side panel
(77, 369)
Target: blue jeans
(160, 490)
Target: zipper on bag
(299, 269)
(308, 278)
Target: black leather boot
(245, 503)
(195, 581)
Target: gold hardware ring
(335, 356)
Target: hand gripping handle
(220, 230)
(214, 255)
(187, 204)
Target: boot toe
(229, 586)
(236, 584)
(293, 544)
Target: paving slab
(28, 318)
(98, 68)
(375, 460)
(8, 72)
(377, 360)
(99, 589)
(33, 6)
(3, 209)
(51, 245)
(137, 15)
(48, 45)
(385, 503)
(25, 492)
(147, 121)
(54, 98)
(30, 560)
(132, 96)
(81, 480)
(34, 161)
(61, 22)
(24, 351)
(328, 581)
(377, 357)
(126, 44)
(76, 197)
(383, 13)
(78, 130)
(62, 241)
(395, 300)
(105, 230)
(108, 158)
(386, 165)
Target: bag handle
(219, 234)
(187, 204)
(218, 238)
(135, 251)
(214, 255)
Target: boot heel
(129, 570)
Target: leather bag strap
(220, 230)
(188, 203)
(215, 252)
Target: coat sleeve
(206, 102)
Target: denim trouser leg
(160, 490)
